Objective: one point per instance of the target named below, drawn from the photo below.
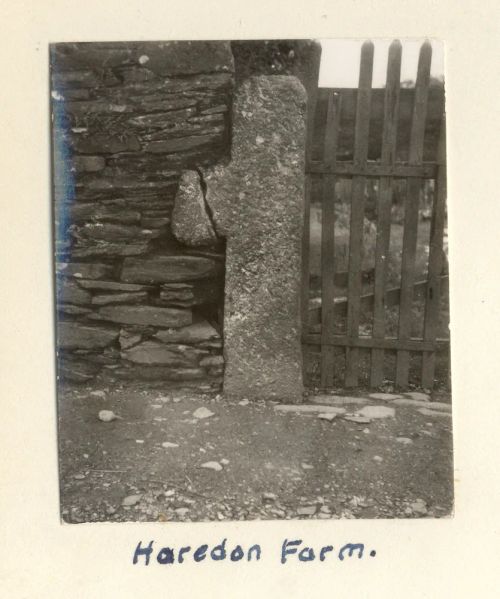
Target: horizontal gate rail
(373, 169)
(391, 343)
(392, 298)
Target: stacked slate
(128, 119)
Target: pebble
(307, 466)
(131, 500)
(366, 431)
(140, 441)
(243, 402)
(79, 476)
(212, 466)
(404, 441)
(169, 493)
(326, 416)
(202, 413)
(378, 412)
(325, 509)
(224, 461)
(419, 506)
(110, 510)
(98, 394)
(427, 412)
(377, 458)
(107, 416)
(308, 510)
(182, 511)
(168, 444)
(269, 497)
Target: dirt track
(273, 465)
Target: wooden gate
(380, 163)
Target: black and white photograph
(250, 243)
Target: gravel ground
(161, 460)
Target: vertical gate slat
(433, 298)
(361, 133)
(304, 300)
(328, 240)
(411, 211)
(388, 157)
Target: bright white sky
(340, 61)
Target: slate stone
(84, 270)
(191, 223)
(101, 143)
(116, 212)
(133, 297)
(180, 144)
(212, 361)
(111, 286)
(156, 353)
(257, 204)
(166, 269)
(194, 333)
(161, 373)
(128, 339)
(73, 310)
(74, 78)
(88, 164)
(160, 119)
(101, 248)
(75, 335)
(69, 292)
(145, 315)
(191, 294)
(76, 371)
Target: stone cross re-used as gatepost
(256, 203)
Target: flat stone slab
(83, 270)
(165, 269)
(427, 412)
(145, 315)
(409, 402)
(417, 395)
(338, 400)
(257, 205)
(438, 405)
(154, 352)
(131, 297)
(384, 396)
(377, 412)
(309, 409)
(194, 333)
(74, 335)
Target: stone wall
(128, 118)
